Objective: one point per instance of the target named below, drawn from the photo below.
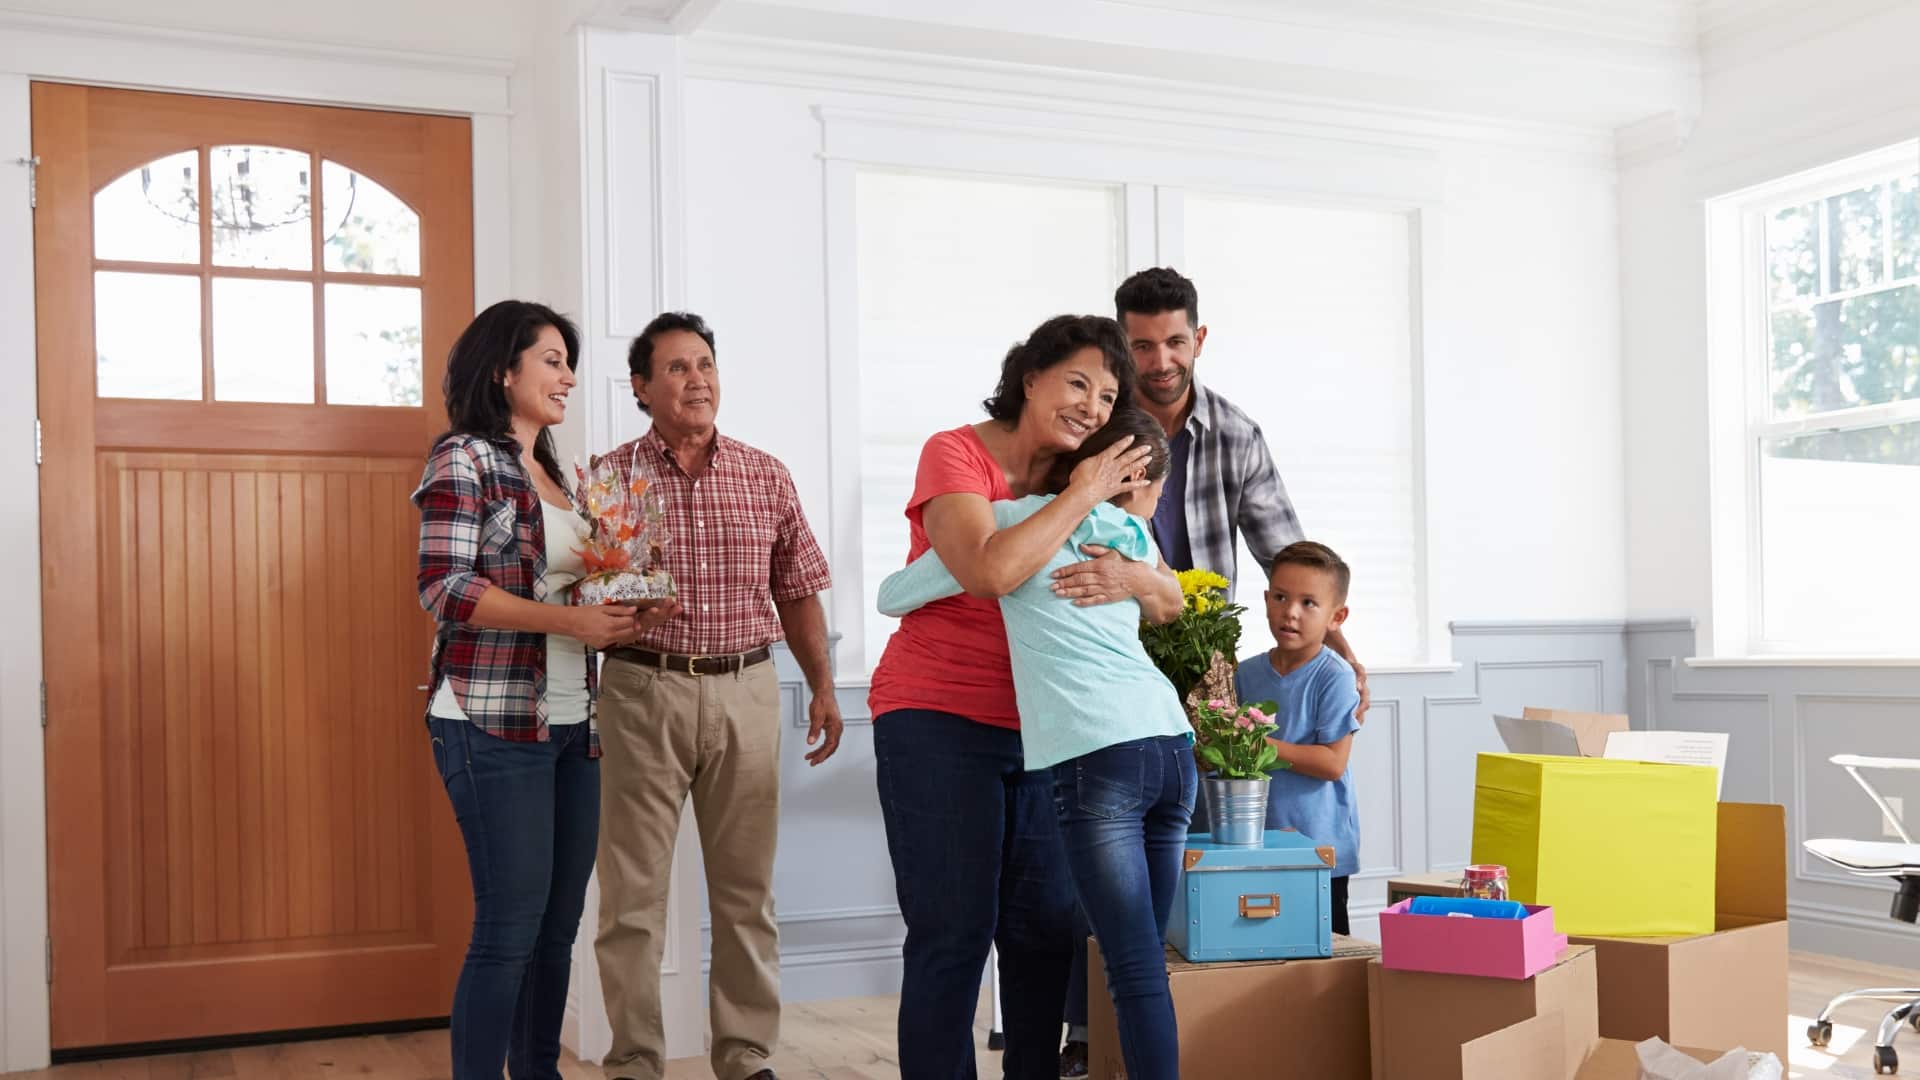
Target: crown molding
(1397, 54)
(1653, 138)
(1210, 112)
(1652, 24)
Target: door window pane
(1315, 342)
(373, 345)
(1838, 514)
(369, 230)
(151, 214)
(262, 340)
(262, 207)
(952, 271)
(146, 335)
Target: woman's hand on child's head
(1117, 469)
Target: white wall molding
(1225, 113)
(1654, 137)
(120, 54)
(1532, 627)
(1425, 56)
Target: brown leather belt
(694, 665)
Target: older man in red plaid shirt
(694, 707)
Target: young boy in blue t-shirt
(1316, 694)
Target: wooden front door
(243, 311)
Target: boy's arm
(1328, 762)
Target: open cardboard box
(1585, 733)
(1420, 1021)
(1324, 1002)
(1538, 1049)
(1727, 988)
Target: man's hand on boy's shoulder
(1360, 683)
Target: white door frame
(87, 51)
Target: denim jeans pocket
(449, 746)
(1107, 783)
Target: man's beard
(1172, 394)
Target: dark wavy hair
(486, 351)
(640, 353)
(1131, 420)
(1050, 343)
(1153, 291)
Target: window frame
(1153, 170)
(1740, 394)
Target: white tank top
(566, 657)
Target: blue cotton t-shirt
(1315, 707)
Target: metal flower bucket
(1237, 811)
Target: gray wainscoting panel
(1785, 722)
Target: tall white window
(953, 270)
(1309, 316)
(1832, 381)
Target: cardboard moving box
(1420, 1020)
(1537, 1049)
(1727, 988)
(1557, 731)
(1441, 883)
(1310, 1016)
(1616, 847)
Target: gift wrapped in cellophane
(624, 552)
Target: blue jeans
(1123, 814)
(530, 814)
(977, 862)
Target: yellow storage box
(1618, 848)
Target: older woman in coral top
(977, 856)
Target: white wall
(1769, 109)
(1523, 462)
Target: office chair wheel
(1821, 1033)
(996, 1040)
(1885, 1060)
(1914, 1019)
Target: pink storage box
(1498, 948)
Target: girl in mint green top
(1097, 713)
(1080, 675)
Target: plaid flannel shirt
(1233, 488)
(481, 527)
(737, 544)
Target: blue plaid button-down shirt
(1233, 488)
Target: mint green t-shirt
(1081, 678)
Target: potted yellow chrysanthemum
(1208, 626)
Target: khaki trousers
(664, 734)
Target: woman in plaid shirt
(513, 680)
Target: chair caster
(996, 1040)
(1820, 1033)
(1885, 1061)
(1913, 1018)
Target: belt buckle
(691, 660)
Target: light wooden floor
(852, 1039)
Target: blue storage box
(1273, 902)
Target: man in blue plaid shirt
(1222, 483)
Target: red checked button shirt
(737, 544)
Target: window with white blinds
(953, 270)
(1309, 316)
